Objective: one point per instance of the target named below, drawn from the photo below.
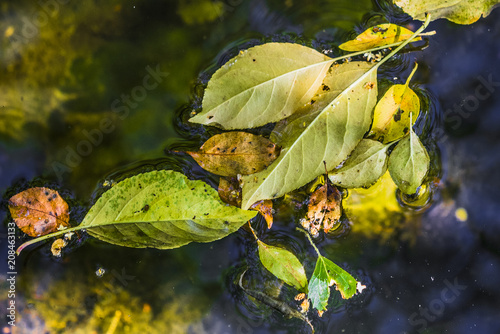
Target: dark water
(426, 270)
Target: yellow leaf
(379, 35)
(391, 119)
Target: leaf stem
(310, 240)
(411, 75)
(253, 232)
(48, 236)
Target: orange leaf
(265, 208)
(324, 209)
(39, 211)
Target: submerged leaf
(39, 211)
(263, 84)
(366, 164)
(409, 163)
(345, 104)
(326, 273)
(458, 11)
(392, 113)
(233, 153)
(379, 35)
(229, 191)
(265, 208)
(283, 264)
(324, 209)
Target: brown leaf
(39, 211)
(57, 247)
(324, 209)
(230, 191)
(265, 208)
(233, 153)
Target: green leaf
(263, 84)
(159, 209)
(366, 164)
(408, 163)
(325, 275)
(392, 113)
(283, 264)
(329, 134)
(379, 35)
(458, 11)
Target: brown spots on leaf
(325, 88)
(369, 85)
(397, 115)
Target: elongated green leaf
(408, 163)
(458, 11)
(159, 209)
(261, 85)
(283, 264)
(366, 164)
(379, 35)
(326, 273)
(328, 134)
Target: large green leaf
(329, 134)
(458, 11)
(283, 264)
(325, 275)
(366, 164)
(159, 209)
(263, 84)
(408, 163)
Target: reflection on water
(61, 77)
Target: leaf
(409, 163)
(458, 11)
(326, 273)
(283, 264)
(261, 85)
(392, 113)
(39, 211)
(229, 191)
(366, 164)
(233, 153)
(159, 209)
(324, 209)
(328, 134)
(265, 208)
(379, 35)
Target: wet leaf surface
(263, 84)
(39, 211)
(233, 153)
(229, 191)
(379, 35)
(283, 264)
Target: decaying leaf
(326, 273)
(57, 247)
(233, 153)
(366, 164)
(324, 209)
(409, 163)
(392, 113)
(261, 85)
(39, 211)
(229, 191)
(458, 11)
(265, 208)
(283, 264)
(379, 35)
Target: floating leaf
(159, 209)
(283, 264)
(261, 85)
(229, 191)
(379, 35)
(233, 153)
(366, 164)
(39, 211)
(408, 163)
(265, 208)
(392, 113)
(324, 209)
(326, 273)
(458, 11)
(328, 134)
(57, 247)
